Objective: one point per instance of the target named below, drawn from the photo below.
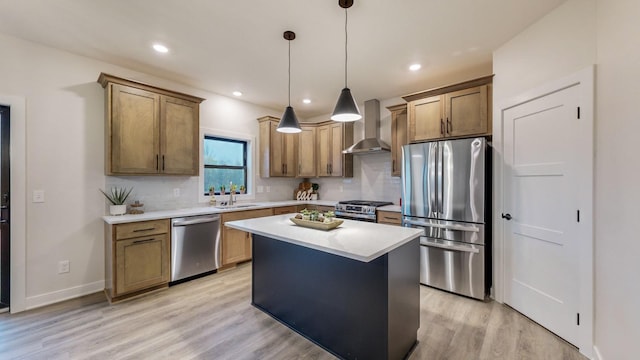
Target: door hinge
(578, 215)
(578, 319)
(578, 112)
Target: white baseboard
(596, 354)
(65, 294)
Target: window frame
(250, 161)
(233, 167)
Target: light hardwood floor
(212, 318)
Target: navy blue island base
(353, 309)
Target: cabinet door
(324, 149)
(426, 120)
(142, 263)
(278, 150)
(307, 152)
(335, 162)
(467, 112)
(289, 155)
(398, 137)
(134, 131)
(236, 246)
(179, 135)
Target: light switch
(38, 196)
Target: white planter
(118, 209)
(314, 196)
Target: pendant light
(346, 108)
(289, 122)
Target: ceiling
(222, 46)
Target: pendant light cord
(346, 54)
(289, 72)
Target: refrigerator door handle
(442, 226)
(464, 248)
(432, 178)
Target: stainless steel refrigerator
(446, 192)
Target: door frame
(18, 200)
(586, 90)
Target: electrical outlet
(63, 266)
(38, 196)
(176, 192)
(268, 188)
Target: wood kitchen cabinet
(149, 130)
(285, 210)
(459, 110)
(306, 149)
(277, 150)
(389, 217)
(137, 258)
(236, 244)
(398, 136)
(332, 138)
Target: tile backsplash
(371, 180)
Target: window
(225, 160)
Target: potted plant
(233, 189)
(314, 194)
(305, 214)
(222, 189)
(117, 197)
(212, 195)
(243, 189)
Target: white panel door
(541, 197)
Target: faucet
(230, 192)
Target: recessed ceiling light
(237, 93)
(306, 101)
(160, 48)
(415, 67)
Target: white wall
(577, 34)
(64, 157)
(617, 180)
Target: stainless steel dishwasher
(195, 245)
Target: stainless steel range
(362, 210)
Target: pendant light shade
(346, 108)
(289, 121)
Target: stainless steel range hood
(371, 143)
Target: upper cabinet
(314, 152)
(332, 138)
(459, 110)
(398, 136)
(307, 152)
(277, 150)
(148, 130)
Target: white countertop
(204, 210)
(358, 240)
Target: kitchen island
(353, 290)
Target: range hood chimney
(371, 143)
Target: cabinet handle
(448, 126)
(441, 126)
(157, 161)
(144, 241)
(330, 169)
(145, 229)
(162, 162)
(393, 165)
(286, 168)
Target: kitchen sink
(235, 206)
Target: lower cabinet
(389, 217)
(137, 258)
(236, 244)
(285, 210)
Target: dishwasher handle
(197, 220)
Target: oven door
(453, 266)
(355, 216)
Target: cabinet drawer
(390, 217)
(246, 214)
(284, 210)
(142, 228)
